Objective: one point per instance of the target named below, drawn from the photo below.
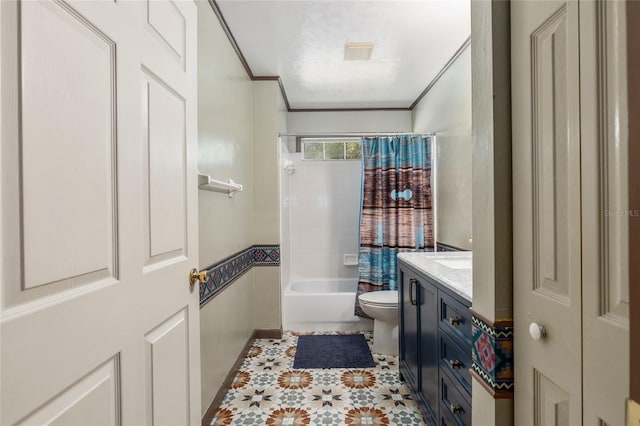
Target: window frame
(329, 140)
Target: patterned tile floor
(269, 391)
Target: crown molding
(444, 69)
(252, 77)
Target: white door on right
(605, 220)
(568, 151)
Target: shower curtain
(396, 213)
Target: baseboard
(268, 334)
(217, 400)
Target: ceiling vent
(358, 51)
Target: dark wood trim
(232, 39)
(350, 109)
(284, 94)
(272, 333)
(217, 400)
(282, 91)
(444, 69)
(633, 88)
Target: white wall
(350, 121)
(446, 110)
(321, 200)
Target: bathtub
(322, 305)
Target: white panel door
(605, 223)
(98, 213)
(546, 217)
(570, 211)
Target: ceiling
(302, 41)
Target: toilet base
(385, 338)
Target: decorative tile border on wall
(225, 272)
(493, 355)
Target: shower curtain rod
(344, 134)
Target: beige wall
(225, 114)
(269, 119)
(446, 109)
(238, 123)
(492, 224)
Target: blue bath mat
(333, 351)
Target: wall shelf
(207, 183)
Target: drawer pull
(412, 282)
(455, 320)
(455, 409)
(455, 364)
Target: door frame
(633, 87)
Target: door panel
(92, 400)
(551, 158)
(551, 403)
(546, 182)
(98, 204)
(166, 20)
(68, 203)
(167, 362)
(605, 206)
(164, 134)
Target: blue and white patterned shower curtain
(396, 213)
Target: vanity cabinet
(435, 346)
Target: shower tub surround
(269, 391)
(319, 237)
(322, 305)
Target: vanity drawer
(456, 360)
(455, 408)
(455, 318)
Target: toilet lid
(385, 297)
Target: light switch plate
(633, 413)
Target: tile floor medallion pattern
(269, 391)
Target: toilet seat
(384, 298)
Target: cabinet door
(428, 305)
(409, 328)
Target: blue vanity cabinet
(435, 347)
(418, 337)
(408, 329)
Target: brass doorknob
(195, 276)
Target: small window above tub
(330, 148)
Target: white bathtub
(322, 305)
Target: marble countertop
(453, 269)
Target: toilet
(382, 306)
